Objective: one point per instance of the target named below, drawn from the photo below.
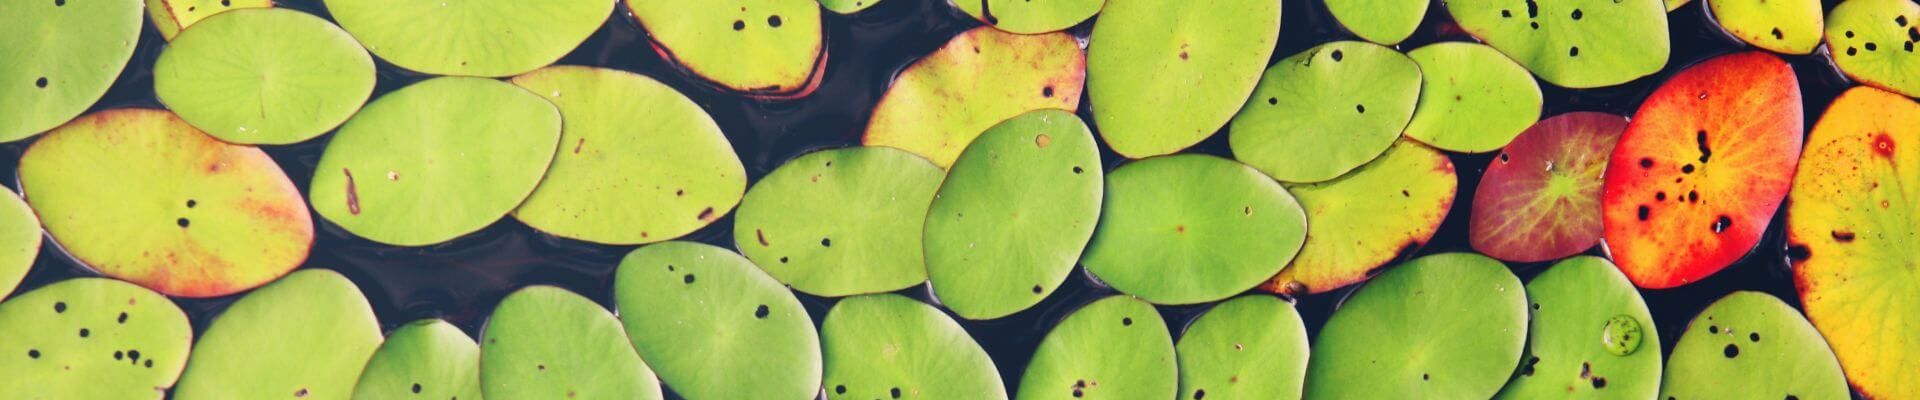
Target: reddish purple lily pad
(1540, 199)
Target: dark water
(461, 281)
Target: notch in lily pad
(1573, 43)
(1751, 345)
(1156, 94)
(841, 222)
(1360, 222)
(1253, 346)
(61, 58)
(549, 343)
(1786, 27)
(264, 76)
(1325, 111)
(427, 358)
(91, 338)
(889, 346)
(171, 17)
(19, 240)
(983, 76)
(1473, 99)
(482, 38)
(1386, 22)
(756, 340)
(314, 318)
(1539, 200)
(1590, 336)
(775, 49)
(1192, 228)
(1114, 348)
(1873, 42)
(1403, 335)
(1028, 17)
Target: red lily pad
(1540, 199)
(1701, 170)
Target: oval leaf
(486, 38)
(1113, 348)
(1789, 27)
(1403, 335)
(1540, 199)
(1873, 42)
(1164, 75)
(544, 342)
(1380, 21)
(1472, 100)
(1312, 123)
(841, 222)
(313, 318)
(755, 340)
(91, 338)
(1750, 345)
(1591, 336)
(772, 49)
(889, 346)
(264, 76)
(1192, 228)
(1250, 347)
(60, 59)
(1573, 43)
(940, 103)
(1362, 221)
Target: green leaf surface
(762, 48)
(1873, 42)
(983, 76)
(486, 38)
(1473, 99)
(1540, 199)
(91, 338)
(1190, 228)
(1789, 26)
(1591, 336)
(428, 358)
(1407, 334)
(1164, 75)
(889, 346)
(171, 16)
(847, 6)
(1380, 21)
(1325, 111)
(841, 222)
(1573, 43)
(754, 339)
(1029, 17)
(264, 76)
(19, 240)
(60, 58)
(1251, 347)
(313, 318)
(1362, 221)
(1750, 345)
(544, 342)
(1113, 348)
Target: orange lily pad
(1540, 199)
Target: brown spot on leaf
(1843, 236)
(577, 144)
(1042, 141)
(762, 235)
(353, 194)
(707, 214)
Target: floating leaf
(638, 162)
(1572, 43)
(1404, 335)
(486, 38)
(1699, 173)
(1750, 345)
(1028, 17)
(1472, 100)
(435, 160)
(427, 358)
(264, 76)
(1362, 221)
(1873, 42)
(1380, 21)
(754, 341)
(983, 76)
(1250, 347)
(91, 338)
(544, 342)
(19, 240)
(1790, 27)
(60, 58)
(1540, 199)
(889, 346)
(313, 318)
(847, 6)
(1312, 123)
(139, 195)
(1113, 348)
(841, 222)
(1191, 228)
(170, 16)
(1164, 75)
(1592, 337)
(763, 48)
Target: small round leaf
(1591, 336)
(1873, 42)
(61, 56)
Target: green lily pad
(1790, 27)
(1385, 22)
(1675, 4)
(91, 338)
(755, 340)
(544, 342)
(1164, 75)
(1192, 228)
(983, 76)
(762, 48)
(1028, 17)
(139, 195)
(889, 346)
(1362, 221)
(1252, 347)
(264, 76)
(426, 358)
(1572, 43)
(171, 16)
(1854, 222)
(989, 257)
(1540, 199)
(1404, 334)
(486, 38)
(840, 222)
(1473, 99)
(1750, 345)
(313, 318)
(638, 162)
(1873, 42)
(60, 59)
(436, 160)
(19, 240)
(1113, 348)
(1325, 111)
(847, 6)
(1592, 337)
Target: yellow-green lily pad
(1751, 345)
(1026, 16)
(1164, 75)
(715, 327)
(61, 56)
(1192, 228)
(1788, 27)
(1572, 43)
(171, 16)
(1873, 42)
(762, 48)
(428, 358)
(1385, 22)
(544, 342)
(1325, 111)
(264, 76)
(841, 222)
(487, 38)
(1473, 99)
(1251, 347)
(1591, 336)
(1113, 348)
(91, 338)
(1442, 326)
(983, 76)
(1364, 220)
(313, 318)
(889, 346)
(19, 240)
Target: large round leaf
(472, 37)
(1591, 337)
(1252, 347)
(983, 76)
(1312, 123)
(1540, 199)
(1872, 42)
(1699, 173)
(1113, 348)
(313, 318)
(91, 338)
(889, 346)
(544, 342)
(1750, 345)
(1028, 17)
(1472, 100)
(1192, 228)
(139, 195)
(19, 240)
(264, 76)
(171, 16)
(1853, 217)
(638, 162)
(60, 58)
(841, 222)
(1442, 326)
(763, 48)
(1362, 221)
(1164, 75)
(1573, 43)
(427, 358)
(435, 160)
(1791, 27)
(715, 327)
(1380, 21)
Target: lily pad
(983, 76)
(1592, 337)
(1404, 334)
(426, 358)
(1164, 75)
(19, 240)
(763, 48)
(1312, 123)
(638, 162)
(1873, 42)
(1028, 17)
(841, 222)
(171, 16)
(436, 160)
(1473, 99)
(1362, 221)
(60, 59)
(486, 38)
(1385, 22)
(1851, 216)
(889, 346)
(1789, 27)
(1540, 199)
(1750, 345)
(989, 257)
(264, 76)
(1573, 43)
(847, 6)
(91, 338)
(1252, 347)
(1192, 228)
(755, 340)
(544, 342)
(139, 195)
(1113, 348)
(1701, 170)
(313, 318)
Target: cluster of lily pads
(976, 178)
